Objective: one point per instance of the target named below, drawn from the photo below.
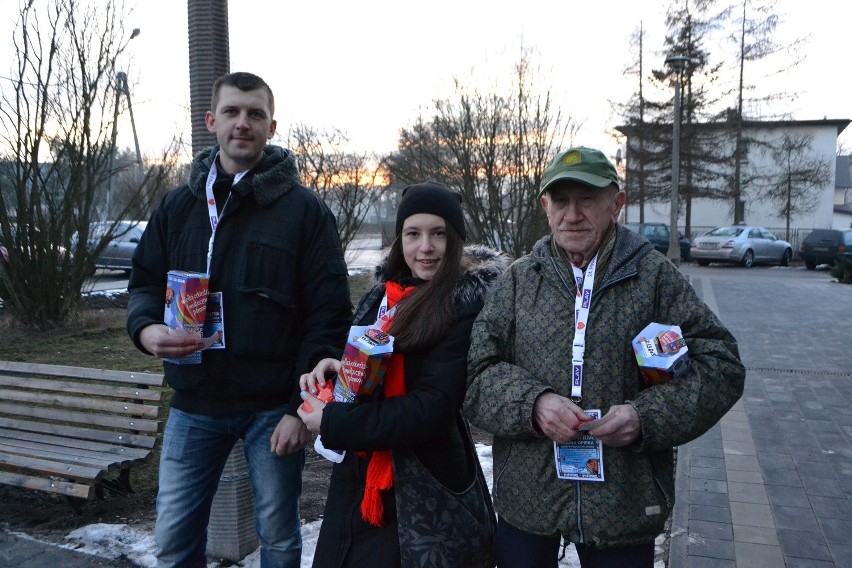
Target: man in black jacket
(278, 281)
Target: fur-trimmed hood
(482, 267)
(276, 174)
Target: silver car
(118, 252)
(741, 244)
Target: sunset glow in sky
(370, 67)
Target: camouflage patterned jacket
(521, 348)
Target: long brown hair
(425, 315)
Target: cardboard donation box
(186, 308)
(661, 353)
(364, 362)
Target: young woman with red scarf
(437, 286)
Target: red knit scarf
(380, 468)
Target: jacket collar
(274, 176)
(628, 250)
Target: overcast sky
(369, 67)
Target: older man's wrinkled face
(579, 217)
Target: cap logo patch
(572, 158)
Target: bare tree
(755, 42)
(349, 183)
(493, 148)
(793, 181)
(55, 125)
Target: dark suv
(658, 235)
(823, 246)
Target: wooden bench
(64, 429)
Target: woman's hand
(310, 411)
(313, 381)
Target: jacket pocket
(264, 326)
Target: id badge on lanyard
(214, 321)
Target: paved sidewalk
(770, 485)
(26, 553)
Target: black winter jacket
(278, 262)
(425, 419)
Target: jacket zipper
(580, 514)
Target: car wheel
(748, 259)
(785, 258)
(703, 262)
(810, 265)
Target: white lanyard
(211, 205)
(582, 301)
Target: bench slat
(80, 457)
(51, 467)
(129, 377)
(140, 424)
(68, 387)
(134, 440)
(80, 402)
(63, 441)
(51, 485)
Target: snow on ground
(114, 541)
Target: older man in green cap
(552, 350)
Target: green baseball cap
(580, 164)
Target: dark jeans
(519, 549)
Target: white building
(709, 213)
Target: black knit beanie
(434, 198)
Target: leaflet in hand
(364, 362)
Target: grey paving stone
(708, 562)
(745, 463)
(734, 447)
(713, 548)
(711, 498)
(744, 476)
(708, 451)
(796, 518)
(702, 530)
(781, 476)
(775, 460)
(747, 492)
(809, 457)
(809, 563)
(712, 485)
(704, 461)
(787, 496)
(831, 508)
(756, 535)
(709, 513)
(803, 544)
(751, 514)
(708, 473)
(841, 553)
(822, 486)
(836, 530)
(753, 555)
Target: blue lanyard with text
(211, 205)
(585, 284)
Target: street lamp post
(678, 63)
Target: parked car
(118, 252)
(741, 244)
(824, 246)
(23, 255)
(658, 234)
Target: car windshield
(725, 232)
